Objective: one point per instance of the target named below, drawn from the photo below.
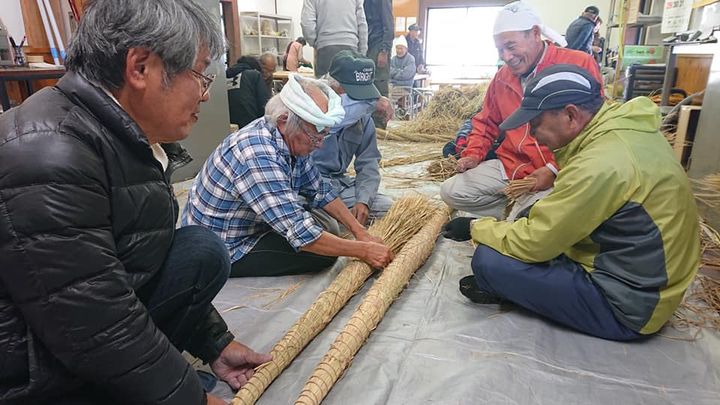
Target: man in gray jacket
(331, 26)
(402, 65)
(351, 76)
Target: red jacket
(519, 153)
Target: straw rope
(403, 220)
(371, 310)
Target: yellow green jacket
(622, 208)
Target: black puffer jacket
(86, 217)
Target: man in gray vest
(331, 26)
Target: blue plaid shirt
(250, 185)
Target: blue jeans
(560, 290)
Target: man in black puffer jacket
(98, 292)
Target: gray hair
(268, 55)
(173, 29)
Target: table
(284, 75)
(420, 79)
(26, 75)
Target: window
(460, 42)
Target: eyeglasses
(317, 137)
(205, 82)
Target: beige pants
(478, 191)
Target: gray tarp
(434, 346)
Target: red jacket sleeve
(484, 126)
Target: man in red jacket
(478, 187)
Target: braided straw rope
(371, 310)
(403, 220)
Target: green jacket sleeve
(578, 205)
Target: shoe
(470, 289)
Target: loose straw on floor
(442, 116)
(371, 310)
(442, 169)
(707, 190)
(404, 219)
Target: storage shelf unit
(261, 33)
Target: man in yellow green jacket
(611, 251)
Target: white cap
(520, 16)
(400, 41)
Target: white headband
(519, 16)
(300, 103)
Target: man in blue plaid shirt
(257, 188)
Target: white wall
(11, 16)
(293, 8)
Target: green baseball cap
(356, 74)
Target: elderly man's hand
(385, 108)
(377, 255)
(360, 211)
(544, 178)
(237, 363)
(467, 163)
(364, 236)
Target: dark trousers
(560, 290)
(325, 55)
(382, 74)
(273, 256)
(178, 297)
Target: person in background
(247, 92)
(331, 26)
(402, 65)
(294, 55)
(415, 47)
(100, 293)
(598, 42)
(268, 61)
(477, 188)
(579, 33)
(259, 188)
(353, 139)
(612, 249)
(381, 29)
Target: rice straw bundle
(371, 310)
(517, 188)
(394, 135)
(442, 117)
(708, 190)
(408, 160)
(405, 218)
(442, 169)
(709, 245)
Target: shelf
(255, 14)
(643, 21)
(266, 36)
